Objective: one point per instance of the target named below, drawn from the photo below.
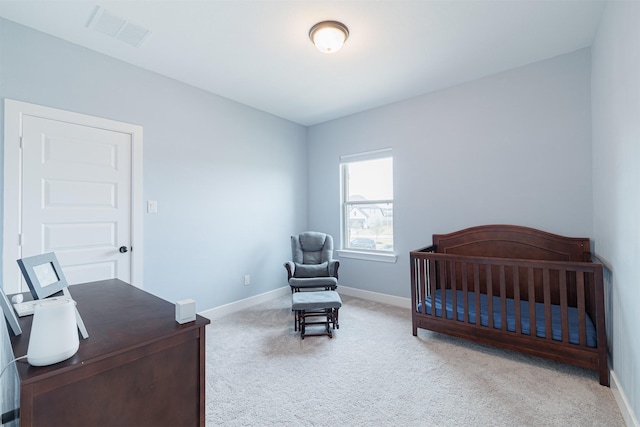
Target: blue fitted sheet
(556, 322)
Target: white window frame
(371, 254)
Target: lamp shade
(54, 332)
(329, 36)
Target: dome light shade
(329, 36)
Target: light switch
(152, 206)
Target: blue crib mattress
(556, 321)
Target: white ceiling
(258, 52)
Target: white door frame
(13, 113)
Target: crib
(514, 287)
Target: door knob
(123, 249)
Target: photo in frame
(43, 275)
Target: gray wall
(513, 148)
(616, 185)
(230, 181)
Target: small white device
(54, 332)
(17, 298)
(26, 308)
(185, 311)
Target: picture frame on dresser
(45, 278)
(9, 314)
(43, 275)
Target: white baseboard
(623, 403)
(375, 296)
(217, 312)
(223, 310)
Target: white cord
(9, 364)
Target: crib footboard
(552, 309)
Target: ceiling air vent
(118, 28)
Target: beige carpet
(374, 372)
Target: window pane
(370, 227)
(368, 204)
(370, 180)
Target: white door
(76, 198)
(75, 194)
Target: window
(367, 201)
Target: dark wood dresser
(138, 367)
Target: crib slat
(432, 285)
(532, 302)
(489, 284)
(454, 297)
(548, 333)
(422, 280)
(582, 326)
(564, 310)
(476, 287)
(516, 298)
(465, 288)
(443, 289)
(503, 299)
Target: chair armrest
(291, 268)
(334, 264)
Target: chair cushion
(311, 247)
(313, 282)
(315, 300)
(312, 241)
(311, 270)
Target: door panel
(76, 183)
(79, 195)
(91, 272)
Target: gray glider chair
(312, 266)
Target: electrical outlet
(247, 280)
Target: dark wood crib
(514, 287)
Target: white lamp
(54, 332)
(329, 36)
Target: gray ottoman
(316, 304)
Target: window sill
(368, 256)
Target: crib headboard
(511, 241)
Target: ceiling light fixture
(329, 36)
